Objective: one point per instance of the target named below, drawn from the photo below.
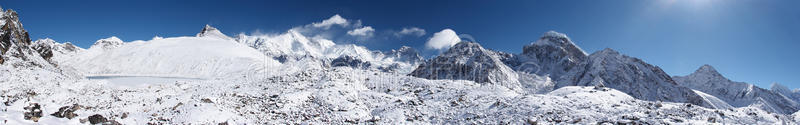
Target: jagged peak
(208, 28)
(209, 31)
(707, 69)
(555, 39)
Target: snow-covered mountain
(58, 51)
(793, 94)
(737, 94)
(470, 61)
(405, 54)
(631, 75)
(16, 48)
(212, 32)
(553, 54)
(467, 61)
(294, 45)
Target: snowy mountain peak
(406, 54)
(209, 31)
(468, 61)
(739, 94)
(556, 39)
(553, 54)
(554, 34)
(45, 41)
(707, 69)
(107, 43)
(630, 75)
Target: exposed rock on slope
(630, 75)
(737, 94)
(49, 47)
(15, 44)
(209, 31)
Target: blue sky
(752, 41)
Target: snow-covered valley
(289, 78)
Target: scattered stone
(97, 119)
(33, 112)
(206, 100)
(67, 111)
(178, 105)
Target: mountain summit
(16, 46)
(468, 61)
(553, 54)
(209, 31)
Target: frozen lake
(140, 81)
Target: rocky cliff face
(633, 76)
(737, 94)
(16, 48)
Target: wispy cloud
(334, 20)
(366, 31)
(414, 31)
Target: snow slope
(178, 56)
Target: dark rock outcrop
(33, 112)
(67, 111)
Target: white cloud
(365, 31)
(411, 31)
(443, 39)
(334, 20)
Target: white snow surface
(177, 56)
(344, 95)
